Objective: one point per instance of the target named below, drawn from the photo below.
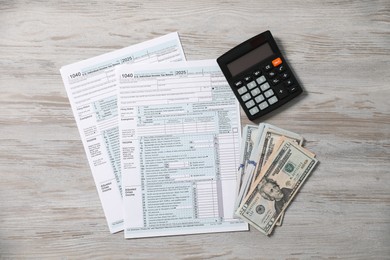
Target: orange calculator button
(276, 62)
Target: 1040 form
(180, 135)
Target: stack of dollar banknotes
(274, 165)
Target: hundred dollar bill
(287, 169)
(247, 143)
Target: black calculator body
(259, 75)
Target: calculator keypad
(266, 86)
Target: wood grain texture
(340, 50)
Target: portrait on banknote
(271, 191)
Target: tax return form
(180, 137)
(90, 85)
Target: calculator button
(281, 92)
(253, 110)
(276, 62)
(242, 90)
(268, 93)
(259, 98)
(281, 68)
(285, 75)
(268, 67)
(255, 92)
(272, 100)
(265, 86)
(251, 84)
(292, 89)
(246, 97)
(271, 74)
(257, 73)
(250, 103)
(247, 78)
(260, 80)
(288, 82)
(275, 81)
(263, 105)
(238, 84)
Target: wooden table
(339, 50)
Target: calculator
(259, 75)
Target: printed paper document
(180, 136)
(92, 92)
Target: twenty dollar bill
(286, 170)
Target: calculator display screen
(249, 59)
